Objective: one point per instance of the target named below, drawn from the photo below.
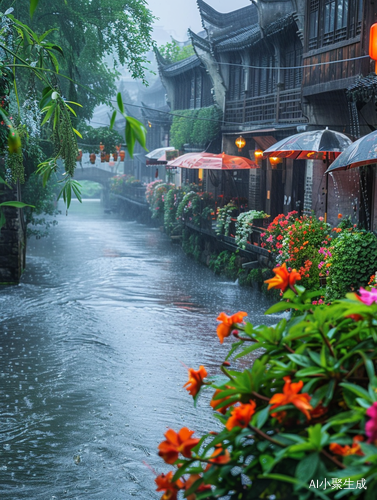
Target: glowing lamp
(101, 146)
(240, 142)
(258, 154)
(373, 44)
(274, 160)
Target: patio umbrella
(359, 153)
(158, 156)
(312, 145)
(211, 161)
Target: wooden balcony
(263, 109)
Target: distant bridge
(99, 171)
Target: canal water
(94, 345)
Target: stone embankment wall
(12, 240)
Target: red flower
(241, 416)
(176, 443)
(225, 327)
(291, 395)
(164, 483)
(283, 278)
(347, 450)
(195, 380)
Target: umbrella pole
(327, 186)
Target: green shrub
(353, 261)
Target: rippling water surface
(92, 352)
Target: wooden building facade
(276, 68)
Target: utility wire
(292, 67)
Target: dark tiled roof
(176, 68)
(181, 66)
(199, 41)
(283, 23)
(242, 17)
(240, 39)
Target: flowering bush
(224, 217)
(155, 194)
(300, 421)
(244, 225)
(149, 192)
(172, 200)
(116, 184)
(185, 209)
(120, 182)
(272, 238)
(298, 241)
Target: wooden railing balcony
(263, 109)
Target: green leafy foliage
(353, 261)
(192, 126)
(276, 437)
(173, 52)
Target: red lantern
(373, 44)
(258, 154)
(122, 155)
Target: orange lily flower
(164, 483)
(195, 380)
(227, 322)
(214, 402)
(190, 481)
(291, 395)
(347, 450)
(177, 442)
(283, 278)
(241, 416)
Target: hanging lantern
(101, 146)
(240, 142)
(274, 160)
(122, 155)
(258, 154)
(373, 44)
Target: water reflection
(92, 351)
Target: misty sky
(176, 16)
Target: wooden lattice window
(332, 21)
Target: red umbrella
(212, 162)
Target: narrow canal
(93, 344)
